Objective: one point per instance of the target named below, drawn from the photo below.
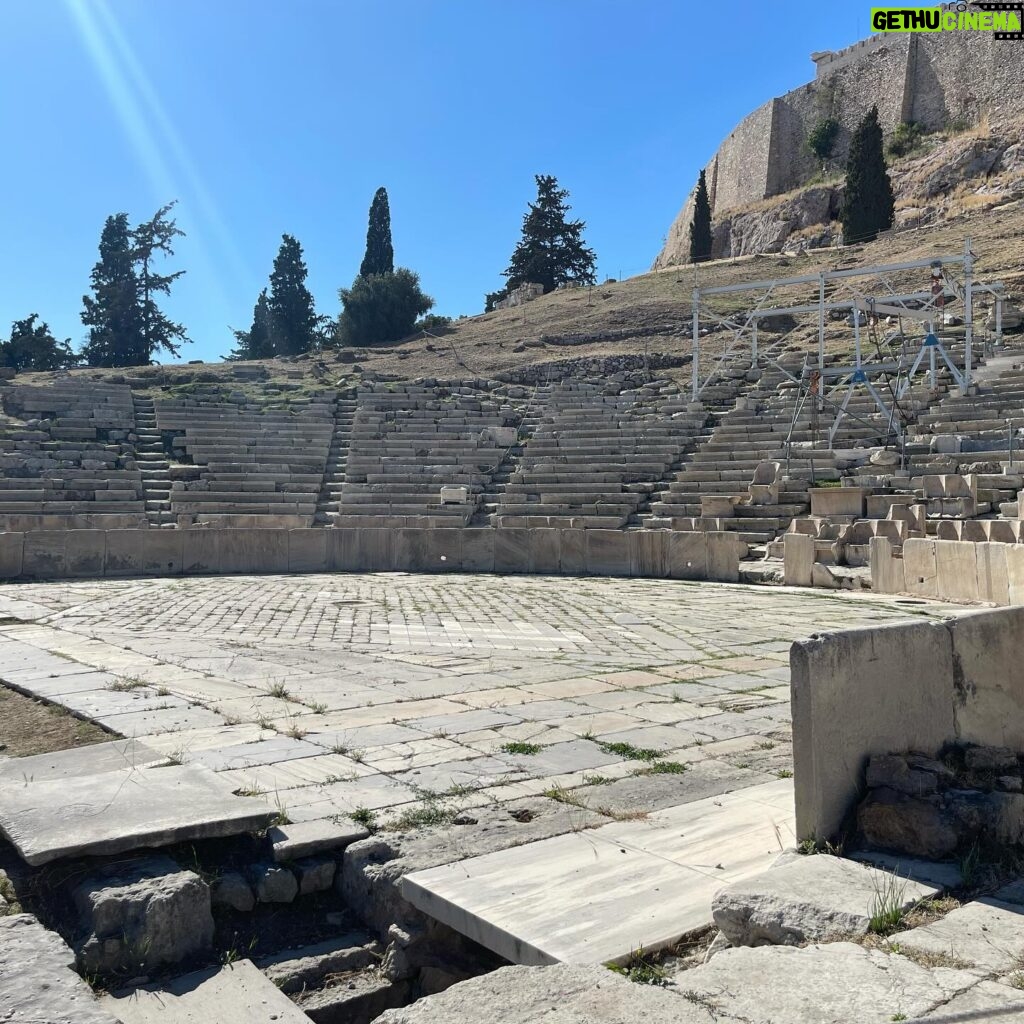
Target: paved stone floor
(376, 692)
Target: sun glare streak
(159, 148)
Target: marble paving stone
(466, 721)
(595, 896)
(149, 723)
(367, 737)
(237, 994)
(90, 760)
(123, 810)
(290, 842)
(272, 750)
(664, 738)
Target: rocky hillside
(946, 176)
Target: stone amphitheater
(342, 743)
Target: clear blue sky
(271, 116)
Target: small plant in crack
(886, 911)
(641, 969)
(278, 690)
(520, 747)
(365, 817)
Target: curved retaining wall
(71, 554)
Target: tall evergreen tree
(700, 227)
(151, 238)
(551, 251)
(868, 202)
(112, 313)
(258, 341)
(380, 254)
(31, 346)
(293, 320)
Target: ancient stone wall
(939, 79)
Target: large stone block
(988, 694)
(956, 570)
(201, 552)
(724, 552)
(993, 575)
(886, 568)
(43, 555)
(573, 553)
(919, 568)
(798, 559)
(478, 549)
(376, 550)
(808, 899)
(142, 915)
(419, 549)
(307, 550)
(688, 555)
(343, 550)
(11, 548)
(253, 551)
(862, 692)
(649, 553)
(1014, 555)
(837, 501)
(125, 552)
(607, 552)
(511, 550)
(85, 552)
(163, 552)
(545, 551)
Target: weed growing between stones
(365, 817)
(886, 910)
(663, 768)
(126, 684)
(520, 747)
(629, 752)
(641, 969)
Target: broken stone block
(989, 758)
(232, 890)
(37, 982)
(315, 874)
(895, 821)
(142, 915)
(808, 899)
(274, 884)
(895, 772)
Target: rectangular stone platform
(596, 896)
(128, 809)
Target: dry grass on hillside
(652, 312)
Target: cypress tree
(292, 317)
(151, 238)
(551, 251)
(112, 313)
(258, 341)
(380, 255)
(700, 228)
(868, 203)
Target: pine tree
(381, 307)
(258, 341)
(31, 346)
(868, 202)
(551, 251)
(112, 312)
(292, 317)
(700, 228)
(151, 238)
(380, 254)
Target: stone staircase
(154, 465)
(329, 499)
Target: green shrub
(905, 139)
(822, 138)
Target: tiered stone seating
(409, 441)
(596, 455)
(67, 457)
(973, 428)
(255, 465)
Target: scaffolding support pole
(753, 346)
(695, 388)
(968, 310)
(999, 319)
